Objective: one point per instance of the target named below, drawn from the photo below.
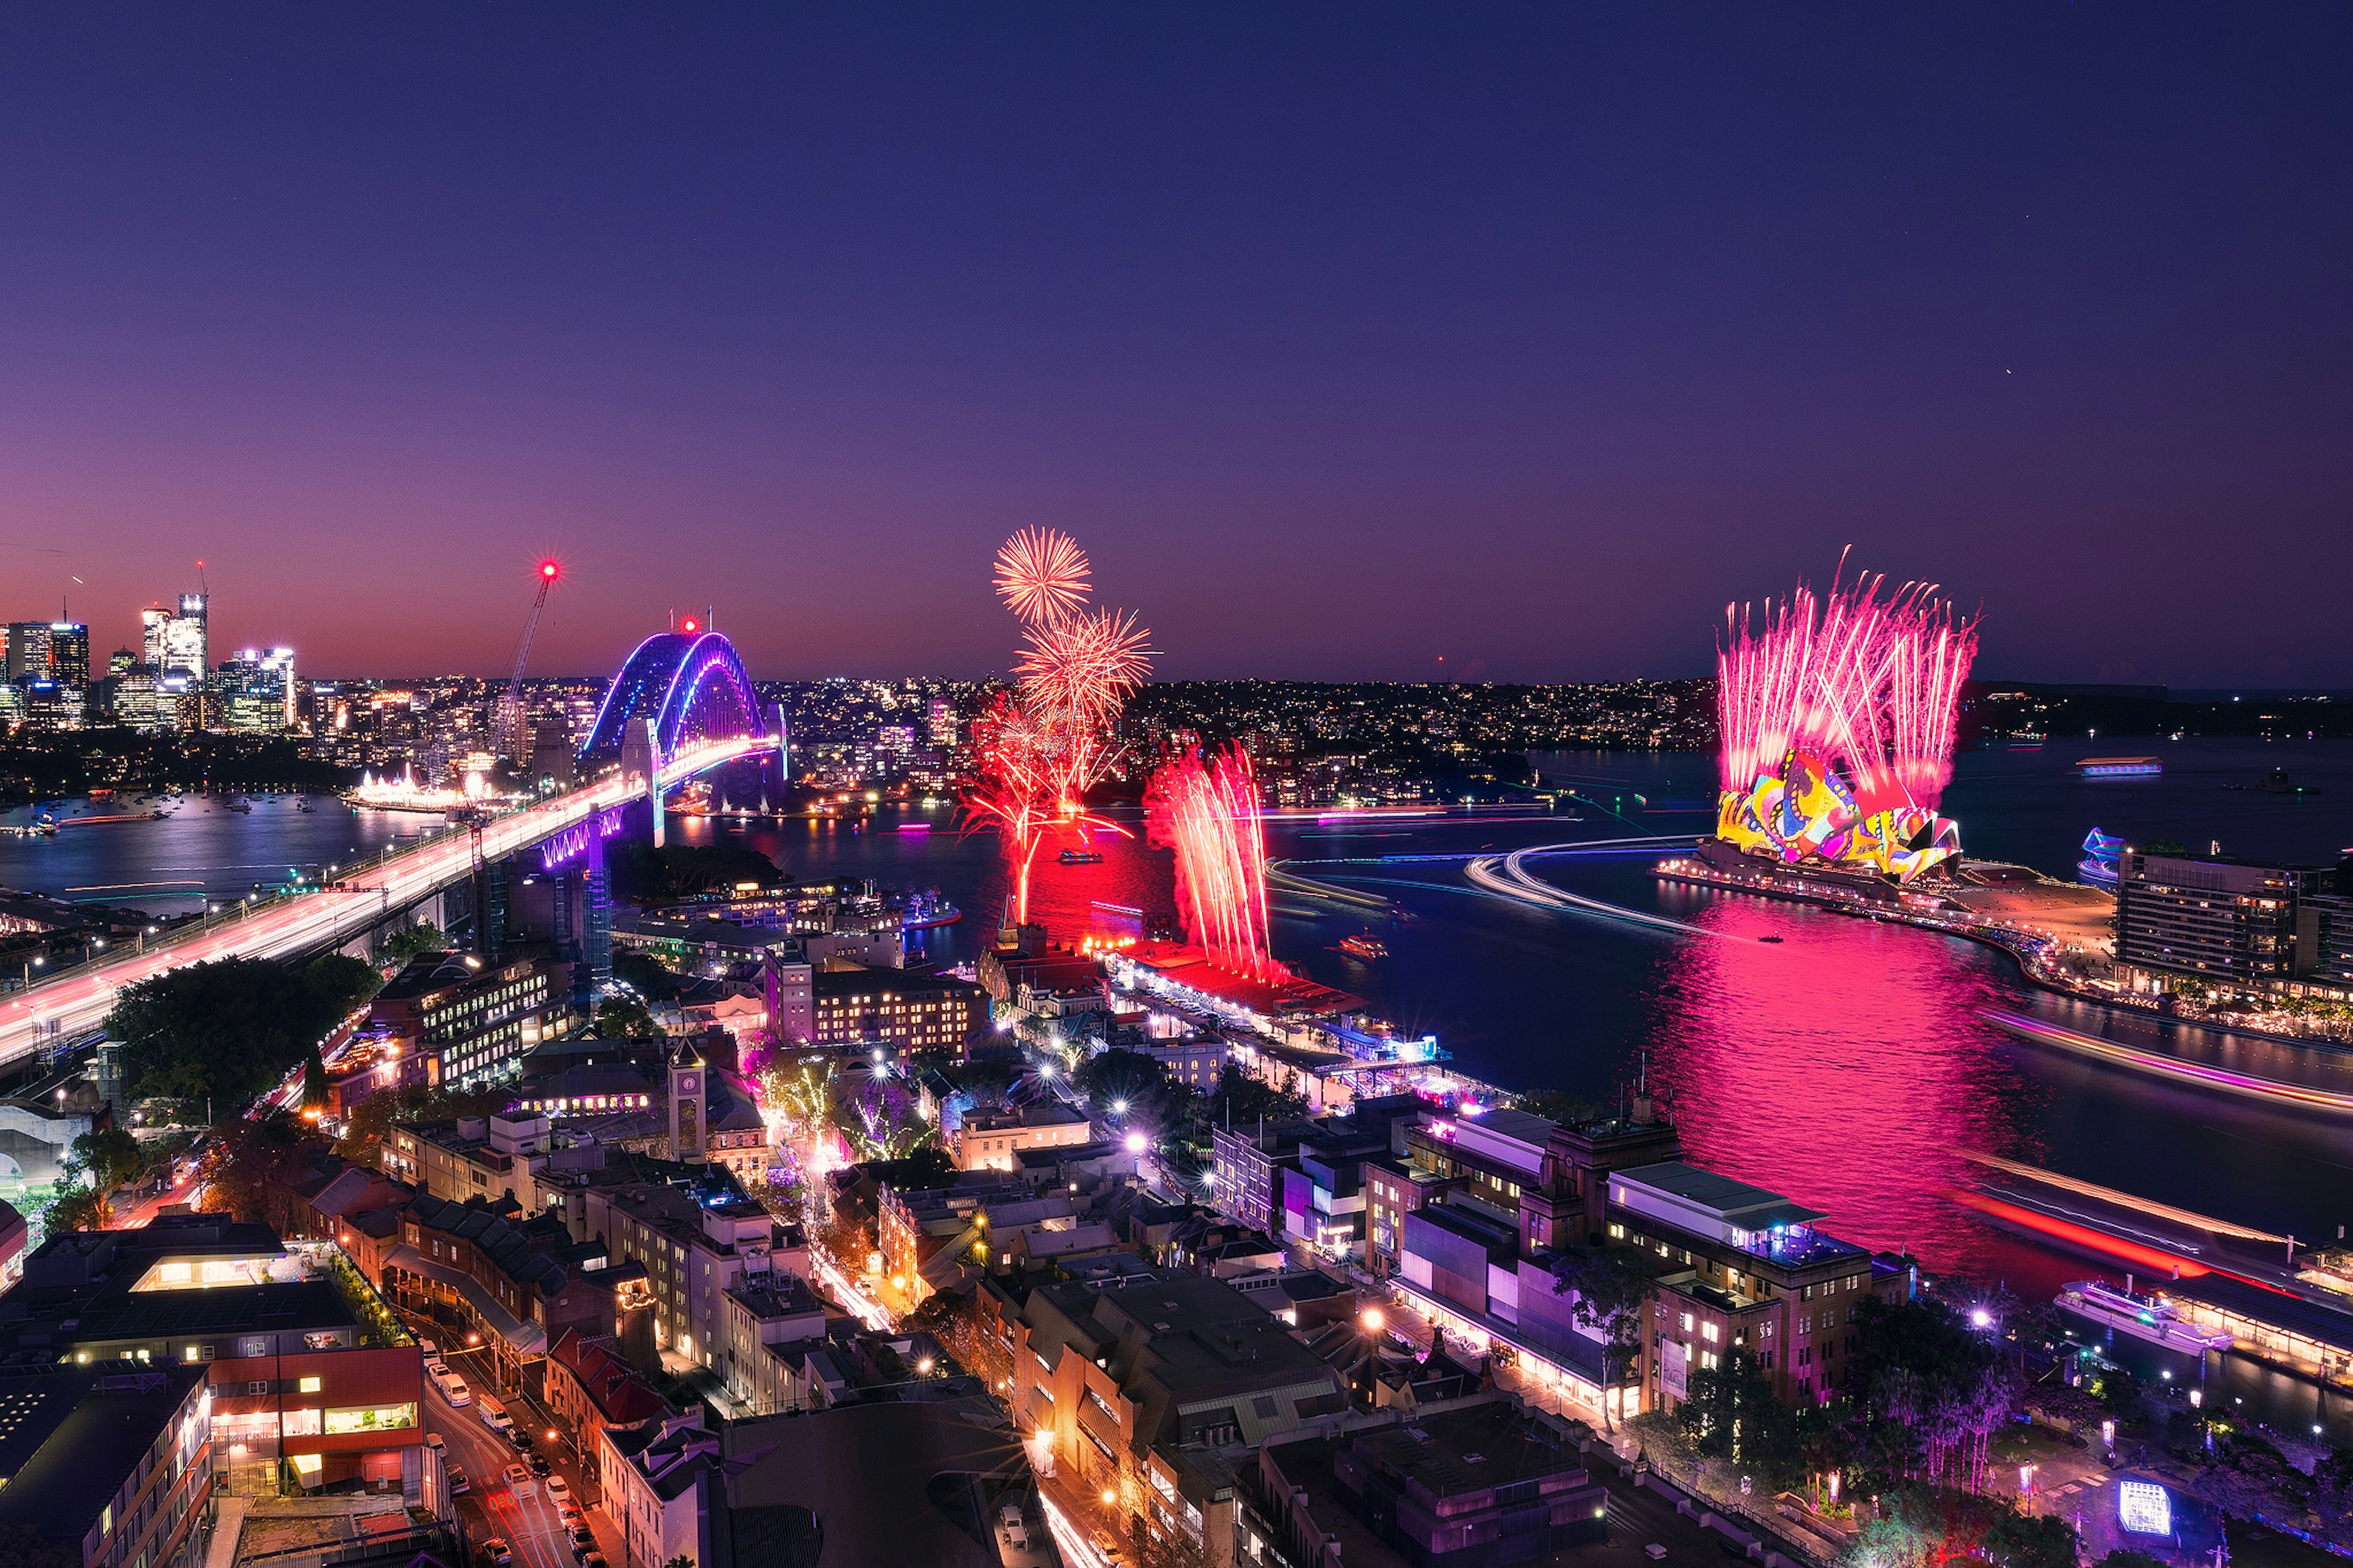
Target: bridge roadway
(77, 1001)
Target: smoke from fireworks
(1208, 812)
(1040, 747)
(1864, 678)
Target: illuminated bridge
(680, 707)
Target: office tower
(187, 644)
(256, 689)
(69, 654)
(119, 661)
(28, 650)
(152, 622)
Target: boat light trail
(2267, 1089)
(2126, 1200)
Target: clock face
(687, 1083)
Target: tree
(646, 975)
(251, 1168)
(1559, 1105)
(1729, 1412)
(2023, 1541)
(1611, 1288)
(2123, 1558)
(229, 1028)
(23, 1546)
(645, 875)
(1241, 1100)
(410, 941)
(344, 983)
(626, 1018)
(1919, 1366)
(107, 1158)
(315, 1084)
(76, 1208)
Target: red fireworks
(1041, 575)
(1866, 679)
(1208, 812)
(1041, 746)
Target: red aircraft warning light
(689, 623)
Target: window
(1687, 1322)
(1708, 1332)
(309, 1385)
(370, 1418)
(301, 1423)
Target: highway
(79, 1000)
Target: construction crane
(511, 734)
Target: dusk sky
(1351, 342)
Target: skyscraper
(152, 621)
(28, 650)
(187, 644)
(69, 654)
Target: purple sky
(1343, 339)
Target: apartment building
(110, 1464)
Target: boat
(239, 805)
(1365, 946)
(1080, 857)
(2119, 767)
(1769, 939)
(2030, 742)
(2276, 782)
(2145, 1318)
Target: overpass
(688, 709)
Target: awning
(523, 1338)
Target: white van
(454, 1390)
(494, 1415)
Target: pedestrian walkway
(228, 1524)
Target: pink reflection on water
(1844, 1066)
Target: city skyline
(1533, 340)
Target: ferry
(1080, 857)
(2119, 767)
(1365, 946)
(2029, 741)
(2143, 1317)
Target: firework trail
(1208, 812)
(1867, 678)
(1041, 575)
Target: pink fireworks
(1041, 575)
(1208, 812)
(1864, 678)
(1043, 745)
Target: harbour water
(1848, 1066)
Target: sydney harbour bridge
(680, 707)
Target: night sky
(1343, 339)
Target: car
(432, 1350)
(455, 1391)
(594, 1559)
(496, 1550)
(539, 1464)
(517, 1479)
(584, 1542)
(435, 1368)
(559, 1490)
(437, 1443)
(521, 1439)
(459, 1484)
(569, 1512)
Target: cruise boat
(1080, 857)
(2119, 767)
(1365, 946)
(2143, 1317)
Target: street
(528, 1521)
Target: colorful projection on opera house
(1837, 714)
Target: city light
(1374, 1320)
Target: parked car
(437, 1443)
(539, 1464)
(495, 1550)
(584, 1542)
(518, 1479)
(559, 1490)
(432, 1350)
(594, 1559)
(521, 1439)
(459, 1484)
(435, 1368)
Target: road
(528, 1521)
(79, 1000)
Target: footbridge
(680, 707)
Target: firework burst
(1041, 575)
(1040, 747)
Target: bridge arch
(691, 685)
